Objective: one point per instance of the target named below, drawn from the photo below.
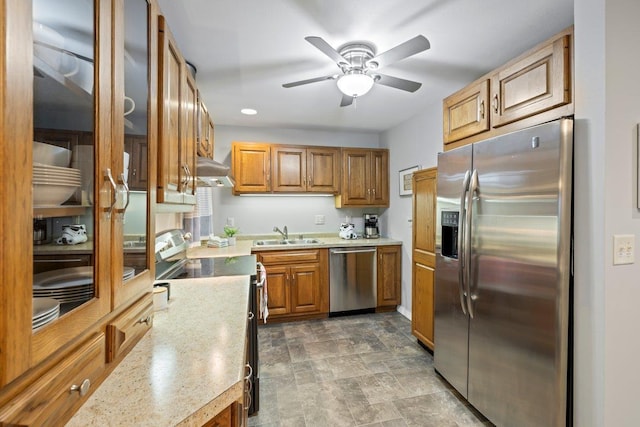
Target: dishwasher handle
(352, 251)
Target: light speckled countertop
(190, 365)
(187, 368)
(244, 246)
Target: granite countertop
(187, 368)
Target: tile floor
(364, 370)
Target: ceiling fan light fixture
(355, 83)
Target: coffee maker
(371, 228)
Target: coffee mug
(133, 105)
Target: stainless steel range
(172, 263)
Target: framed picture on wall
(405, 176)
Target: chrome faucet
(285, 233)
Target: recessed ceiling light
(249, 111)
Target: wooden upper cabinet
(289, 169)
(305, 169)
(466, 112)
(323, 170)
(251, 167)
(205, 135)
(531, 85)
(265, 168)
(379, 177)
(365, 178)
(177, 104)
(171, 67)
(189, 140)
(534, 88)
(137, 147)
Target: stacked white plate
(45, 310)
(128, 273)
(53, 185)
(69, 285)
(66, 285)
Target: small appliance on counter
(371, 227)
(41, 231)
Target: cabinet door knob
(83, 388)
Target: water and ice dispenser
(449, 223)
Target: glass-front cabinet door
(60, 192)
(74, 198)
(135, 124)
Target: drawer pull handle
(82, 389)
(146, 320)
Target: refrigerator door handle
(461, 242)
(473, 189)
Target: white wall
(589, 246)
(608, 89)
(259, 214)
(415, 142)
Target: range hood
(213, 174)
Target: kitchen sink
(279, 242)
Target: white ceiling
(244, 50)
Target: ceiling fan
(359, 64)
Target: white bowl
(52, 194)
(52, 155)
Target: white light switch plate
(623, 249)
(319, 220)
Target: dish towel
(264, 309)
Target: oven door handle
(263, 277)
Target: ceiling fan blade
(346, 100)
(397, 83)
(402, 51)
(314, 80)
(326, 48)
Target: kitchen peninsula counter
(187, 368)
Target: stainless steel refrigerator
(503, 274)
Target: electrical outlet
(623, 249)
(319, 219)
(231, 221)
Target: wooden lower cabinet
(128, 328)
(424, 256)
(297, 283)
(223, 419)
(389, 272)
(60, 391)
(423, 303)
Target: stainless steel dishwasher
(352, 279)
